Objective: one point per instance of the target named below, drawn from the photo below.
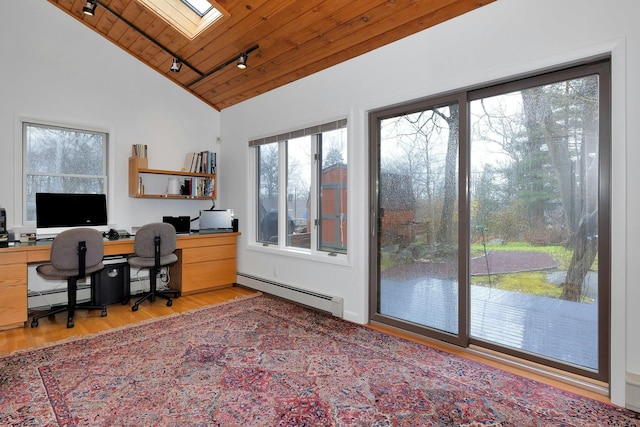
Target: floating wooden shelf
(138, 171)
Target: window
(201, 7)
(302, 189)
(189, 17)
(62, 160)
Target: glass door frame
(600, 66)
(375, 118)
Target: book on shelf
(212, 163)
(139, 150)
(198, 187)
(200, 162)
(188, 158)
(208, 188)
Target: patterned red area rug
(266, 362)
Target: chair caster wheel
(70, 323)
(104, 313)
(169, 302)
(34, 323)
(134, 308)
(125, 301)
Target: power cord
(213, 206)
(164, 275)
(165, 279)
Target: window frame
(185, 19)
(196, 10)
(24, 124)
(282, 140)
(599, 64)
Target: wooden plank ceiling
(295, 38)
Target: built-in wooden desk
(205, 262)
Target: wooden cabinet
(205, 262)
(156, 183)
(13, 289)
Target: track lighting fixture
(242, 61)
(89, 8)
(175, 65)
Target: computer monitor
(56, 212)
(216, 221)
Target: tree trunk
(585, 238)
(584, 253)
(444, 232)
(541, 126)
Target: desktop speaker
(234, 225)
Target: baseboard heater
(632, 391)
(331, 304)
(43, 300)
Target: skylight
(201, 7)
(190, 17)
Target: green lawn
(534, 282)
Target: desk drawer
(15, 274)
(207, 275)
(13, 305)
(13, 295)
(39, 254)
(13, 257)
(210, 253)
(118, 247)
(206, 240)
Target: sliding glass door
(490, 218)
(417, 217)
(534, 186)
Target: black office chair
(154, 248)
(75, 254)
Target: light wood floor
(90, 322)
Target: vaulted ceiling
(287, 39)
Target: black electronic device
(112, 234)
(56, 212)
(182, 224)
(112, 284)
(3, 220)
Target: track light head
(175, 65)
(89, 8)
(242, 61)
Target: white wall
(505, 38)
(56, 70)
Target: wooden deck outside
(557, 329)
